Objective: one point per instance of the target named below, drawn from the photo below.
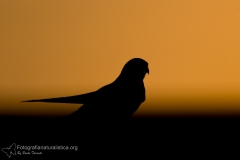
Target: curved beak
(148, 71)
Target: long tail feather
(78, 99)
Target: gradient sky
(52, 48)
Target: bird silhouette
(115, 101)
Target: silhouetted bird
(115, 101)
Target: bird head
(134, 69)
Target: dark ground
(157, 134)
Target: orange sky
(51, 48)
